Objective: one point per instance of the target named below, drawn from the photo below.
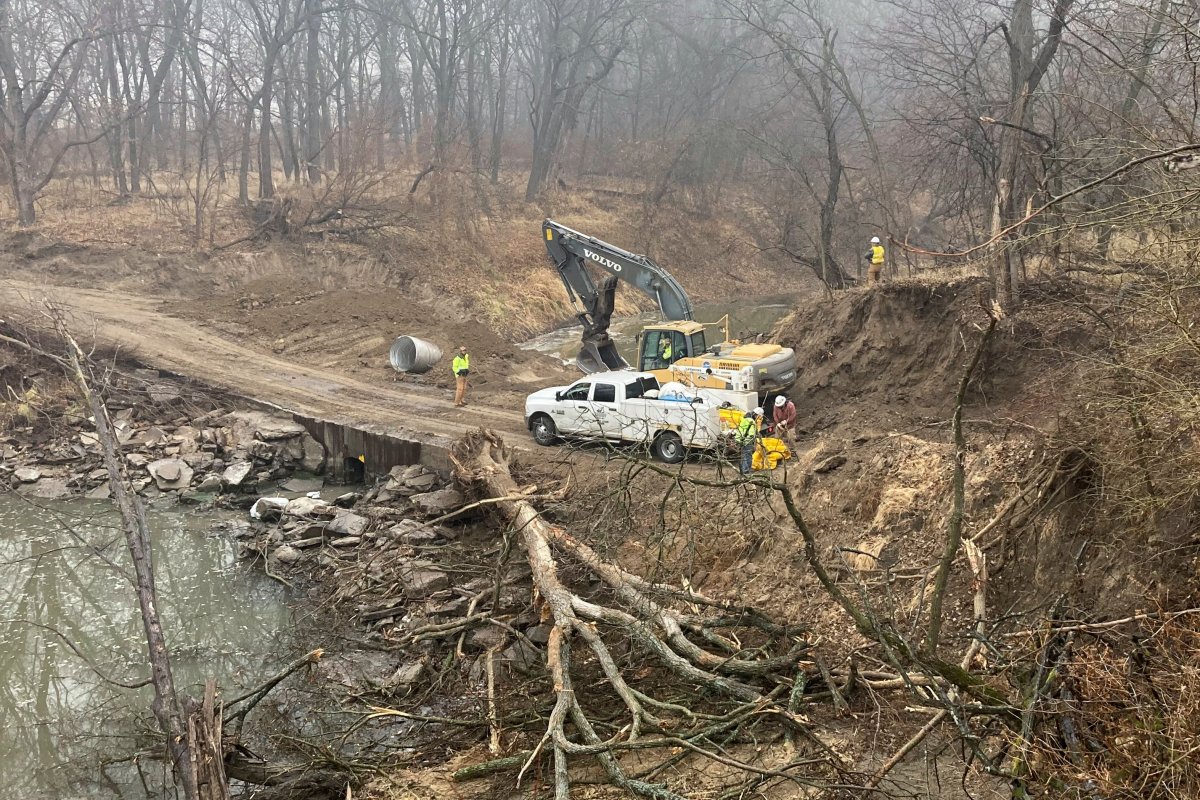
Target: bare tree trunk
(244, 164)
(168, 709)
(312, 91)
(266, 178)
(500, 99)
(287, 128)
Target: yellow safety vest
(747, 430)
(460, 363)
(876, 254)
(666, 351)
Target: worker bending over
(784, 419)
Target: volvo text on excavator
(675, 350)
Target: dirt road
(137, 326)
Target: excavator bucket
(599, 352)
(602, 357)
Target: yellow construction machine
(674, 350)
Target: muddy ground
(351, 331)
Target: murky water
(65, 733)
(746, 320)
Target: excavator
(674, 350)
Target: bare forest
(961, 127)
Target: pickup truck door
(601, 419)
(571, 410)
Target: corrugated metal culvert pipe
(410, 354)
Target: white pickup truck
(625, 406)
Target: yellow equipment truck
(674, 350)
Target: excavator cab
(663, 345)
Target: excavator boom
(570, 250)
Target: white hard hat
(780, 400)
(758, 412)
(874, 240)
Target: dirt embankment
(879, 372)
(892, 358)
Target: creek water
(746, 320)
(67, 734)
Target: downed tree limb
(958, 490)
(482, 462)
(255, 696)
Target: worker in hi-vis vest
(875, 257)
(461, 367)
(746, 437)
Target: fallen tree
(733, 690)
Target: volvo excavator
(675, 350)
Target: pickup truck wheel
(544, 432)
(668, 448)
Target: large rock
(186, 437)
(285, 554)
(123, 430)
(263, 451)
(170, 473)
(270, 429)
(101, 492)
(485, 637)
(236, 473)
(312, 454)
(211, 483)
(435, 504)
(200, 460)
(523, 658)
(539, 634)
(303, 485)
(151, 436)
(413, 533)
(268, 508)
(405, 676)
(422, 483)
(346, 523)
(421, 579)
(163, 392)
(27, 474)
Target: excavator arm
(570, 251)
